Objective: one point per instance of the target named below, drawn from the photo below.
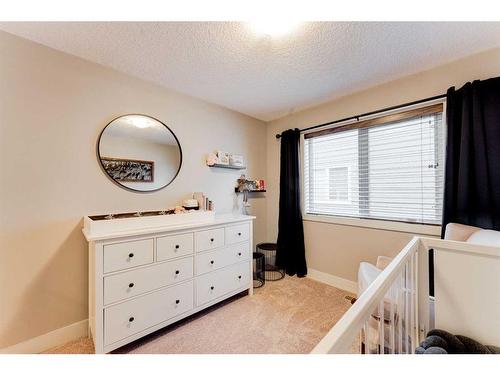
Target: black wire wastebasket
(272, 272)
(259, 264)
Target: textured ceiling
(155, 131)
(227, 64)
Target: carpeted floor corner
(286, 316)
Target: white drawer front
(216, 284)
(217, 259)
(134, 282)
(210, 261)
(120, 256)
(174, 246)
(238, 276)
(237, 253)
(209, 239)
(237, 233)
(133, 316)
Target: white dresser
(144, 278)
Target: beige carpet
(286, 316)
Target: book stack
(204, 203)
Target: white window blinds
(389, 168)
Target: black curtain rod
(278, 136)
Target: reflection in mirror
(139, 153)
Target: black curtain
(290, 254)
(472, 179)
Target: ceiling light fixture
(139, 122)
(273, 27)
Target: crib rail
(385, 318)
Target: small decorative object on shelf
(260, 185)
(243, 188)
(248, 186)
(251, 186)
(222, 157)
(236, 160)
(211, 159)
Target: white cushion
(383, 261)
(485, 237)
(459, 232)
(367, 273)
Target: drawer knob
(239, 277)
(211, 288)
(239, 254)
(131, 319)
(177, 301)
(211, 240)
(131, 285)
(239, 233)
(211, 262)
(131, 255)
(177, 272)
(176, 246)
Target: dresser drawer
(209, 239)
(130, 317)
(134, 282)
(216, 284)
(214, 260)
(237, 253)
(174, 246)
(210, 261)
(120, 256)
(237, 233)
(237, 276)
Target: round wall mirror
(139, 153)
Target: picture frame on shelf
(222, 157)
(236, 160)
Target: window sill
(395, 226)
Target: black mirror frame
(126, 187)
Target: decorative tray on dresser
(148, 272)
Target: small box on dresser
(143, 279)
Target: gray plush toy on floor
(439, 341)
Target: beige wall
(52, 108)
(338, 249)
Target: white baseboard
(49, 340)
(335, 281)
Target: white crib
(395, 312)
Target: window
(336, 180)
(389, 168)
(338, 184)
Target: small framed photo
(222, 157)
(251, 185)
(236, 160)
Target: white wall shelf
(227, 166)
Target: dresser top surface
(119, 229)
